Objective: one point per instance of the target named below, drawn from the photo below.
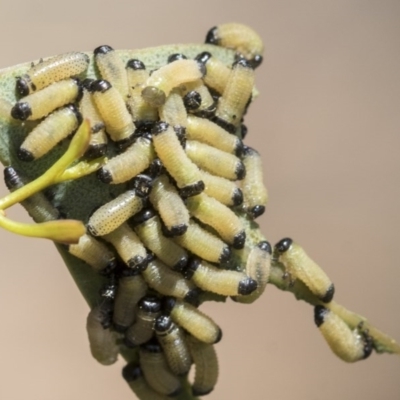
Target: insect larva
(114, 213)
(175, 160)
(239, 37)
(349, 345)
(162, 81)
(206, 131)
(37, 205)
(204, 244)
(130, 290)
(206, 366)
(299, 266)
(138, 156)
(165, 199)
(215, 161)
(142, 112)
(215, 214)
(236, 96)
(102, 340)
(169, 283)
(133, 375)
(142, 330)
(258, 267)
(255, 195)
(41, 103)
(94, 253)
(113, 111)
(173, 342)
(128, 246)
(52, 70)
(98, 140)
(56, 127)
(197, 98)
(148, 228)
(111, 68)
(156, 371)
(173, 111)
(198, 324)
(220, 281)
(223, 190)
(217, 73)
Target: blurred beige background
(327, 124)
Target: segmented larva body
(114, 213)
(299, 266)
(102, 340)
(54, 69)
(349, 345)
(206, 366)
(239, 37)
(41, 103)
(173, 341)
(130, 290)
(56, 127)
(156, 370)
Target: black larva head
(135, 64)
(162, 324)
(283, 245)
(192, 100)
(191, 268)
(102, 50)
(243, 131)
(320, 313)
(156, 168)
(131, 372)
(181, 264)
(256, 61)
(193, 297)
(240, 171)
(212, 36)
(142, 184)
(22, 85)
(242, 62)
(247, 286)
(329, 294)
(368, 345)
(203, 57)
(25, 155)
(21, 111)
(177, 230)
(87, 83)
(257, 211)
(150, 304)
(265, 246)
(181, 134)
(104, 175)
(138, 263)
(143, 216)
(225, 254)
(237, 197)
(239, 149)
(151, 347)
(239, 240)
(100, 85)
(159, 127)
(168, 304)
(11, 178)
(175, 57)
(192, 190)
(109, 290)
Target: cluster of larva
(182, 224)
